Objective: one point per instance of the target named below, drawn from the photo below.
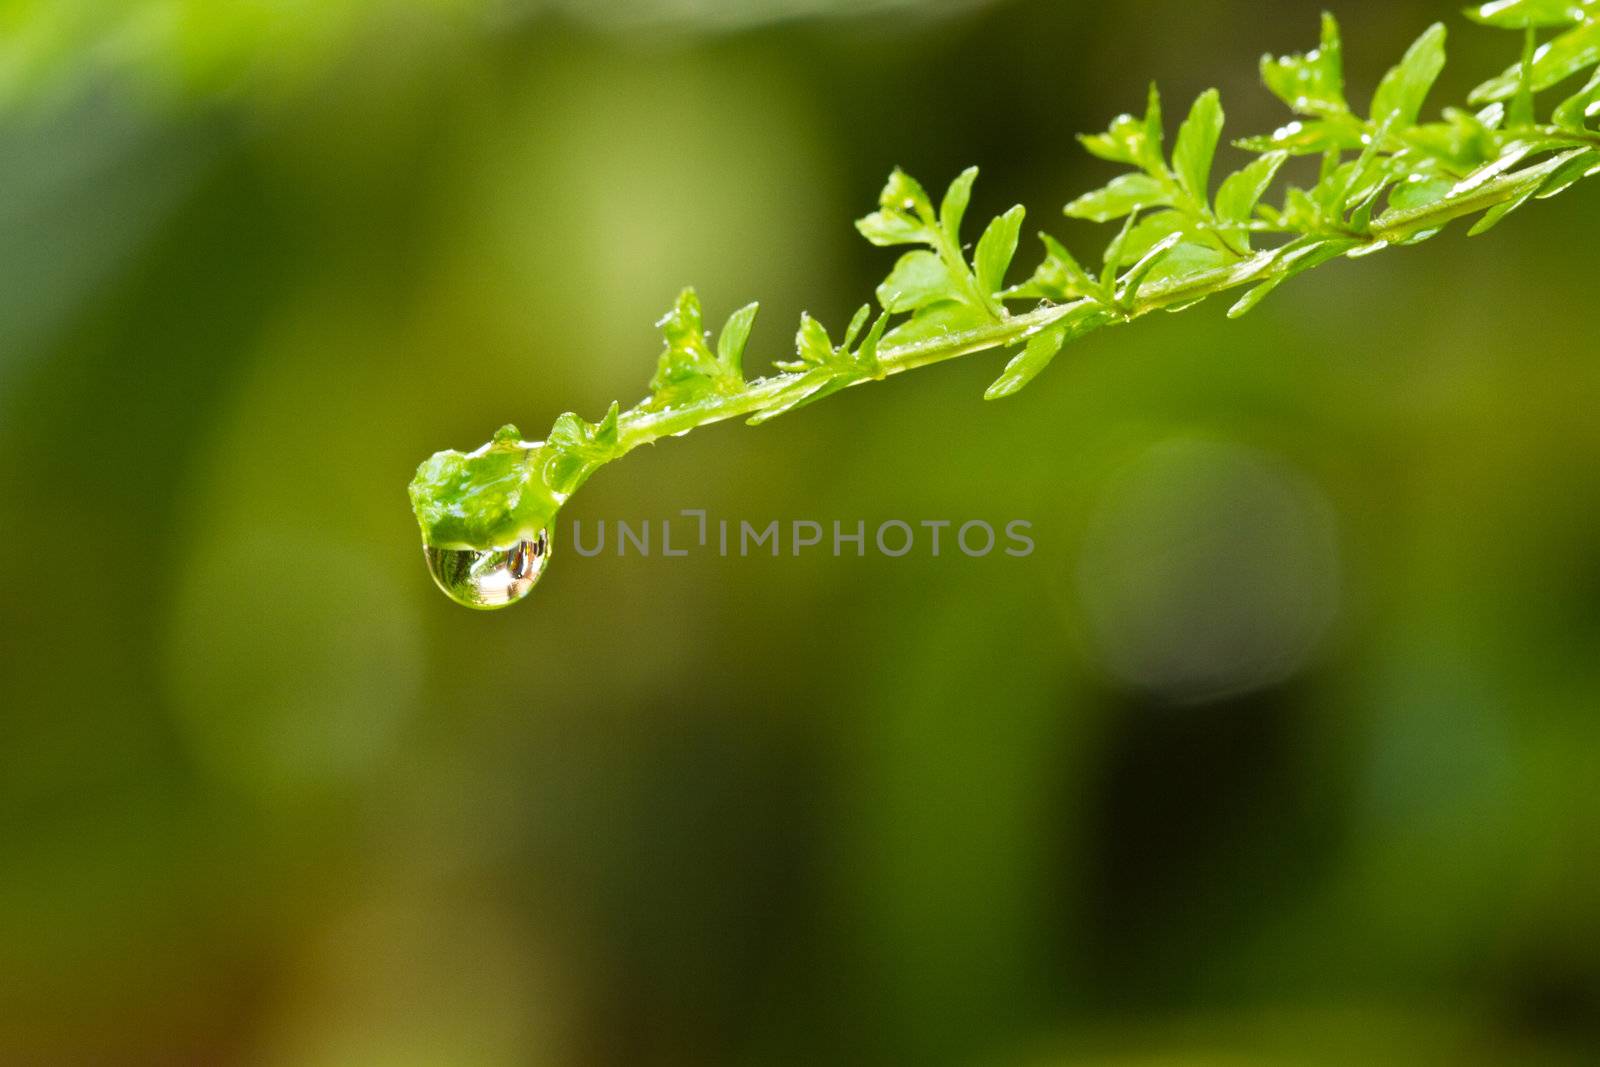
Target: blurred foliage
(169, 50)
(1279, 749)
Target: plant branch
(1387, 178)
(640, 427)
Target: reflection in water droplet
(489, 580)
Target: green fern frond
(1387, 178)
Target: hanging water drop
(488, 580)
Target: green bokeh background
(1280, 749)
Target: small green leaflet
(688, 370)
(1522, 14)
(1136, 142)
(904, 214)
(575, 445)
(1577, 111)
(734, 339)
(954, 208)
(824, 369)
(996, 249)
(1059, 278)
(943, 292)
(1554, 62)
(1127, 288)
(1043, 347)
(1147, 232)
(919, 279)
(1312, 83)
(1401, 93)
(938, 321)
(1123, 194)
(1183, 259)
(1197, 146)
(1242, 190)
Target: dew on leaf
(488, 580)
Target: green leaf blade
(1526, 14)
(1196, 146)
(687, 370)
(996, 248)
(1401, 94)
(1134, 141)
(954, 208)
(1059, 278)
(1578, 110)
(886, 229)
(812, 343)
(1123, 194)
(1043, 347)
(1144, 235)
(1313, 83)
(1027, 365)
(938, 321)
(1554, 62)
(1241, 191)
(735, 337)
(918, 279)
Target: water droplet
(489, 580)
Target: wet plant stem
(641, 427)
